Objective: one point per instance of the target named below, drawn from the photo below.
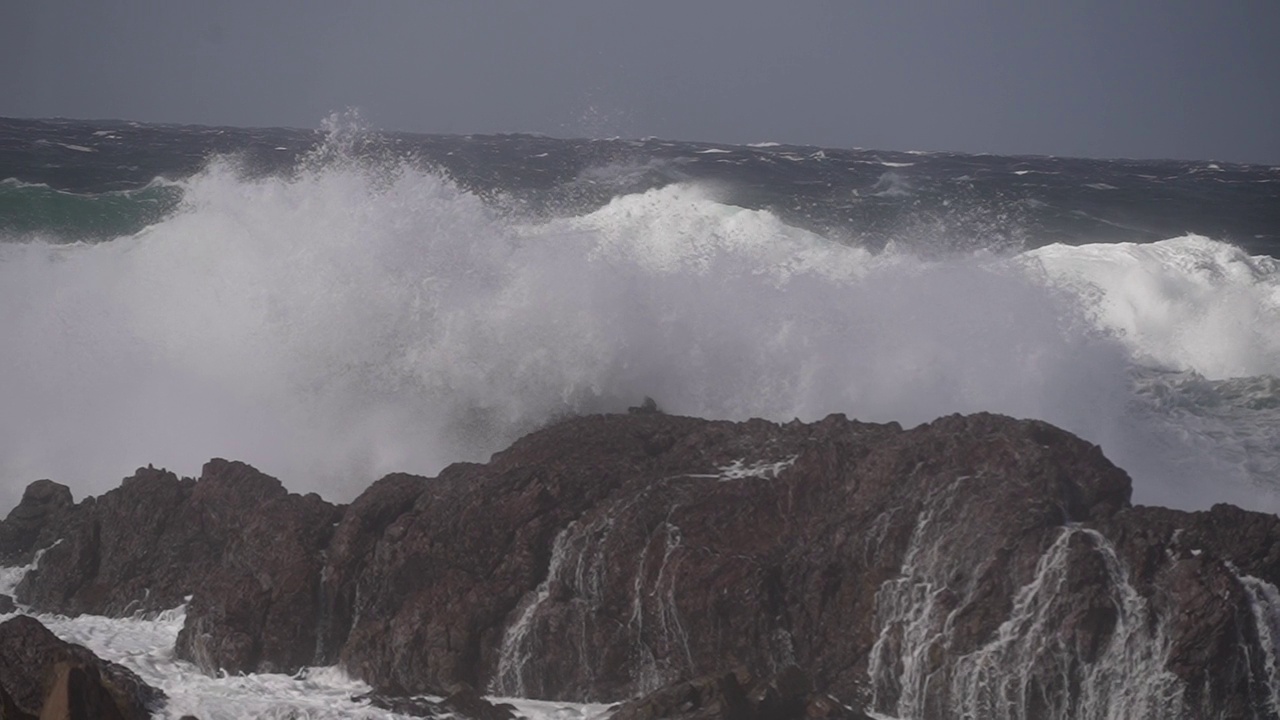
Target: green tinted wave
(39, 211)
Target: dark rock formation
(9, 709)
(34, 523)
(608, 556)
(43, 676)
(736, 695)
(235, 539)
(974, 566)
(1207, 574)
(258, 609)
(464, 702)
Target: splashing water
(145, 646)
(1264, 603)
(359, 317)
(1027, 672)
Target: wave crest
(358, 318)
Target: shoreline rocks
(42, 676)
(934, 572)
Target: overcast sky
(1097, 78)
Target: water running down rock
(975, 566)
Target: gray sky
(1097, 78)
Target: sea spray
(355, 317)
(1183, 304)
(145, 646)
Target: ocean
(334, 305)
(337, 304)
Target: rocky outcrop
(42, 676)
(258, 609)
(245, 550)
(974, 566)
(1211, 577)
(606, 557)
(34, 523)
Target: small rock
(38, 670)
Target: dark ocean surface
(101, 182)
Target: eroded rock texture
(35, 523)
(235, 541)
(975, 566)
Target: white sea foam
(352, 320)
(145, 646)
(1185, 304)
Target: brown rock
(247, 550)
(257, 610)
(38, 670)
(737, 695)
(607, 555)
(931, 572)
(76, 693)
(33, 524)
(136, 548)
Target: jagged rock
(1201, 571)
(707, 698)
(944, 571)
(7, 605)
(136, 547)
(648, 406)
(47, 677)
(34, 522)
(236, 540)
(350, 551)
(607, 556)
(468, 703)
(623, 552)
(257, 611)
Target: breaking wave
(355, 318)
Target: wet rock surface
(35, 522)
(42, 676)
(257, 610)
(974, 565)
(235, 541)
(737, 695)
(606, 557)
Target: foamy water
(145, 646)
(356, 319)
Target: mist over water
(353, 318)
